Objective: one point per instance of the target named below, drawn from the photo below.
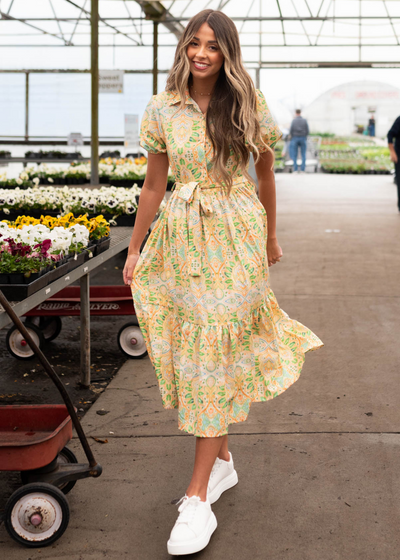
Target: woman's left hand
(274, 252)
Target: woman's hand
(274, 252)
(393, 156)
(129, 267)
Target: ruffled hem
(213, 372)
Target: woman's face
(206, 58)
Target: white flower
(50, 180)
(6, 210)
(19, 181)
(36, 181)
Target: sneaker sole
(226, 483)
(190, 547)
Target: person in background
(371, 126)
(394, 133)
(298, 132)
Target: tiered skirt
(213, 328)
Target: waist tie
(197, 206)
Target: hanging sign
(75, 139)
(111, 81)
(132, 132)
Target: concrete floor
(318, 466)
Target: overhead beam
(103, 20)
(391, 23)
(155, 11)
(169, 45)
(7, 17)
(169, 19)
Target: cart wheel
(18, 346)
(131, 341)
(50, 326)
(36, 515)
(67, 456)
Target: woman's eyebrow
(197, 39)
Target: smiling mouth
(200, 65)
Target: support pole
(155, 57)
(85, 330)
(94, 22)
(27, 106)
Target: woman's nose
(202, 51)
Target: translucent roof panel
(32, 33)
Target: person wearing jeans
(298, 132)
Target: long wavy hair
(231, 118)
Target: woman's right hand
(130, 267)
(393, 156)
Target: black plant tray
(59, 271)
(17, 292)
(126, 183)
(125, 220)
(81, 259)
(102, 246)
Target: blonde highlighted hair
(231, 118)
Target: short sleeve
(270, 131)
(151, 135)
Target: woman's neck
(204, 86)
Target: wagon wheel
(50, 326)
(65, 456)
(18, 346)
(131, 341)
(36, 515)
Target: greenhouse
(148, 166)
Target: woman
(213, 329)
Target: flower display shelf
(53, 155)
(27, 287)
(11, 185)
(17, 292)
(124, 220)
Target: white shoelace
(215, 467)
(187, 508)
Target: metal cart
(33, 441)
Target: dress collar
(174, 97)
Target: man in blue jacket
(298, 133)
(394, 134)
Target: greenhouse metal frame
(270, 31)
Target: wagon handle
(53, 376)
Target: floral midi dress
(213, 329)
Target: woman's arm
(267, 195)
(152, 193)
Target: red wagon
(44, 321)
(33, 441)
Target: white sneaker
(223, 476)
(193, 528)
